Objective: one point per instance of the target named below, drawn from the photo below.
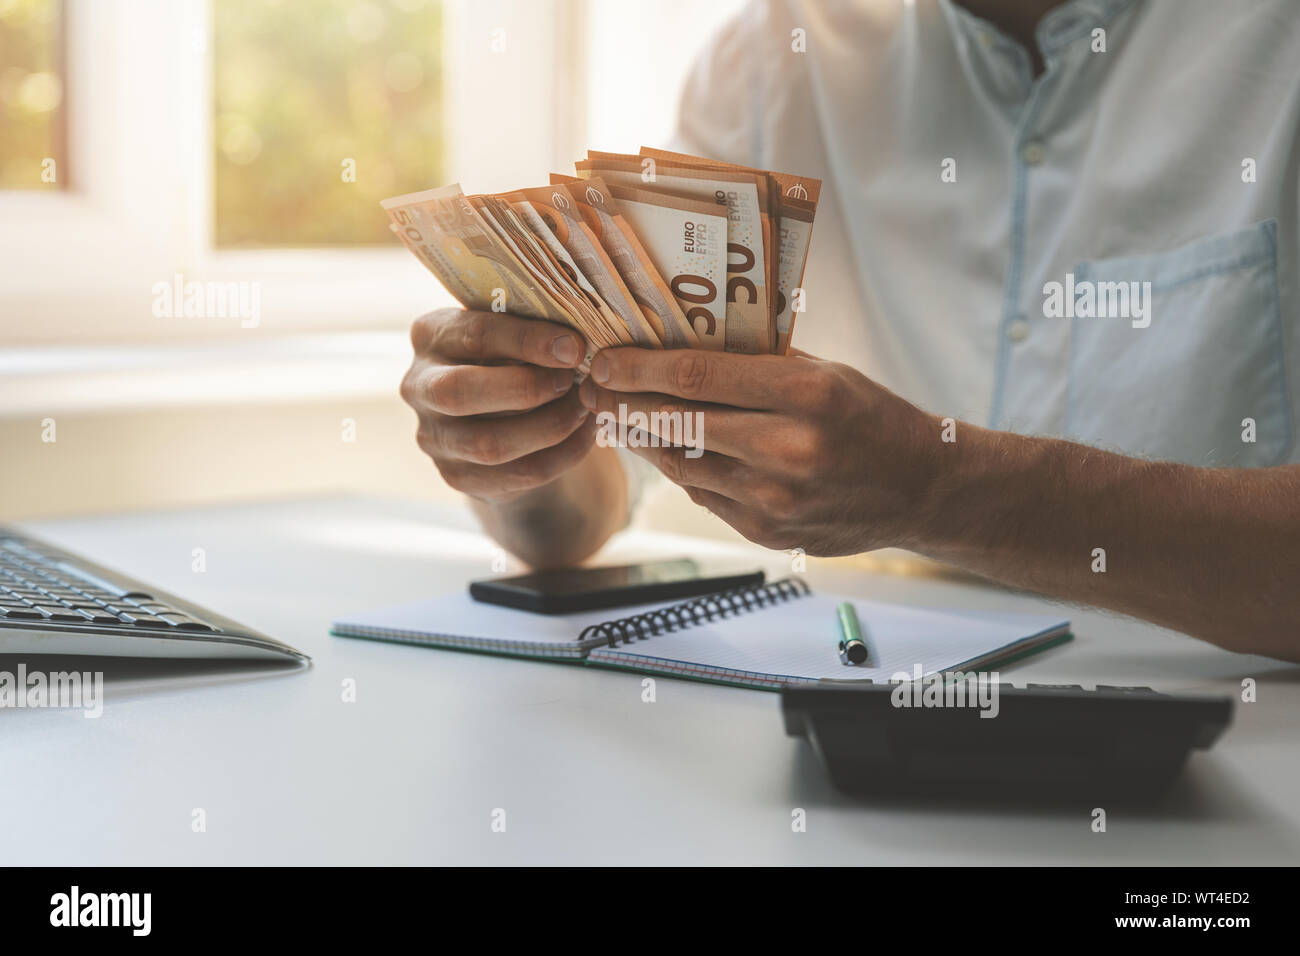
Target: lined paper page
(457, 620)
(798, 639)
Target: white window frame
(79, 265)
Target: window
(209, 141)
(309, 135)
(205, 142)
(32, 124)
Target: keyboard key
(142, 620)
(82, 574)
(61, 614)
(19, 614)
(184, 623)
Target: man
(1039, 219)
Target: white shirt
(1128, 165)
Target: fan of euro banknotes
(657, 249)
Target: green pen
(853, 649)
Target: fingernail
(565, 348)
(563, 381)
(600, 369)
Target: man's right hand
(494, 393)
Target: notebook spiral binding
(696, 611)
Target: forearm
(1214, 553)
(561, 523)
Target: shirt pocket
(1211, 357)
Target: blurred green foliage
(31, 94)
(299, 90)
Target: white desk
(587, 773)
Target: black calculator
(1031, 742)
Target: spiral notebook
(765, 636)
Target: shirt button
(1033, 154)
(1017, 330)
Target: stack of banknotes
(656, 249)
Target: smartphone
(567, 590)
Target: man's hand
(494, 394)
(811, 454)
(501, 419)
(798, 452)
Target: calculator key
(1127, 690)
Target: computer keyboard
(1036, 741)
(53, 602)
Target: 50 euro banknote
(701, 254)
